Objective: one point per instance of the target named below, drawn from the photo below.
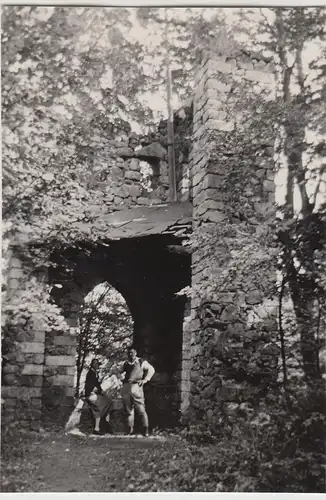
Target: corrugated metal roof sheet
(143, 221)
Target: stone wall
(60, 362)
(214, 319)
(22, 355)
(132, 170)
(119, 173)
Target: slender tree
(301, 228)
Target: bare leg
(144, 419)
(139, 402)
(131, 420)
(97, 424)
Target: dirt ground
(55, 462)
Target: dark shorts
(100, 404)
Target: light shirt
(133, 374)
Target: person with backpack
(98, 396)
(99, 403)
(137, 373)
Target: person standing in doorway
(100, 404)
(137, 373)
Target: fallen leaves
(35, 462)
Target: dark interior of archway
(148, 274)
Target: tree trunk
(294, 122)
(303, 301)
(281, 331)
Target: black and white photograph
(163, 305)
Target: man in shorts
(137, 373)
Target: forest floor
(57, 462)
(179, 461)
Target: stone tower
(218, 83)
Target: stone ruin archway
(39, 373)
(147, 274)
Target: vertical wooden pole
(171, 153)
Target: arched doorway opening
(105, 330)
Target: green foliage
(255, 448)
(240, 252)
(31, 308)
(67, 119)
(105, 330)
(182, 35)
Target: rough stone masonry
(204, 388)
(40, 361)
